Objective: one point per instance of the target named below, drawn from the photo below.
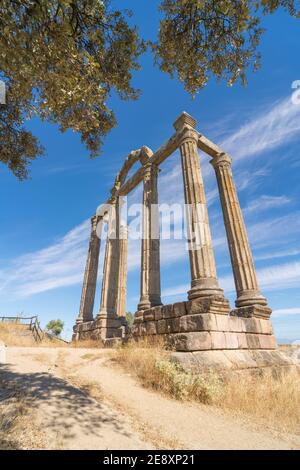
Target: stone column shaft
(150, 258)
(90, 275)
(122, 279)
(111, 267)
(202, 262)
(246, 284)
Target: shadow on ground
(66, 409)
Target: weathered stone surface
(257, 311)
(200, 322)
(151, 327)
(199, 341)
(232, 341)
(167, 311)
(235, 324)
(230, 360)
(162, 327)
(158, 315)
(242, 340)
(222, 323)
(253, 341)
(149, 314)
(252, 325)
(218, 340)
(267, 342)
(266, 327)
(179, 309)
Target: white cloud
(282, 312)
(272, 128)
(60, 264)
(265, 202)
(284, 276)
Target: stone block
(253, 341)
(151, 327)
(242, 341)
(149, 314)
(139, 317)
(235, 324)
(267, 342)
(231, 340)
(266, 327)
(167, 311)
(175, 324)
(199, 341)
(197, 306)
(256, 311)
(252, 325)
(158, 315)
(197, 322)
(179, 309)
(161, 327)
(218, 340)
(222, 322)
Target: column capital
(221, 159)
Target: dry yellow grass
(87, 343)
(17, 428)
(16, 334)
(276, 401)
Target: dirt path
(125, 415)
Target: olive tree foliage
(60, 60)
(203, 38)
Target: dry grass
(17, 428)
(275, 401)
(14, 334)
(87, 343)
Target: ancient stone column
(247, 289)
(122, 278)
(111, 267)
(202, 262)
(90, 274)
(150, 258)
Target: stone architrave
(90, 274)
(248, 293)
(202, 262)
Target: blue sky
(44, 221)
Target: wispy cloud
(265, 202)
(282, 312)
(60, 264)
(284, 276)
(278, 125)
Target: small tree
(55, 327)
(129, 318)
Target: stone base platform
(206, 324)
(107, 330)
(256, 362)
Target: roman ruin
(201, 329)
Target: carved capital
(221, 160)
